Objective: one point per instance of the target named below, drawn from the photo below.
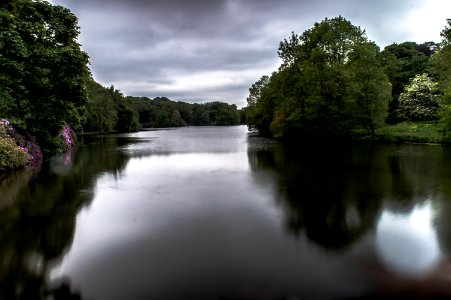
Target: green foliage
(127, 119)
(108, 110)
(412, 132)
(446, 33)
(12, 156)
(242, 112)
(369, 89)
(102, 113)
(259, 107)
(420, 100)
(441, 71)
(222, 114)
(440, 67)
(162, 112)
(402, 62)
(201, 116)
(445, 115)
(329, 85)
(44, 71)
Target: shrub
(66, 139)
(17, 149)
(12, 156)
(420, 100)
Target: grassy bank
(411, 132)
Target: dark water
(213, 213)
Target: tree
(259, 110)
(201, 117)
(402, 62)
(176, 119)
(440, 65)
(420, 100)
(102, 112)
(163, 112)
(221, 113)
(428, 48)
(329, 85)
(44, 71)
(441, 70)
(369, 88)
(445, 114)
(446, 33)
(127, 119)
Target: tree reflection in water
(37, 222)
(328, 196)
(335, 197)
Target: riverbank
(411, 132)
(20, 149)
(405, 132)
(17, 149)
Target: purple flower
(4, 122)
(66, 135)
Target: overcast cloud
(205, 50)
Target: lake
(218, 213)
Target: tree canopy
(163, 112)
(401, 63)
(44, 71)
(420, 100)
(330, 84)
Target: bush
(65, 139)
(12, 156)
(17, 149)
(420, 100)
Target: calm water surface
(215, 213)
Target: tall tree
(259, 109)
(329, 84)
(44, 71)
(102, 111)
(401, 63)
(446, 33)
(369, 88)
(441, 70)
(441, 61)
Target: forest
(109, 110)
(334, 83)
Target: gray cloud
(201, 50)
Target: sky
(213, 50)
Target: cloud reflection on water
(407, 243)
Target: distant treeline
(108, 110)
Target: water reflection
(61, 163)
(37, 217)
(341, 200)
(330, 198)
(210, 213)
(407, 243)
